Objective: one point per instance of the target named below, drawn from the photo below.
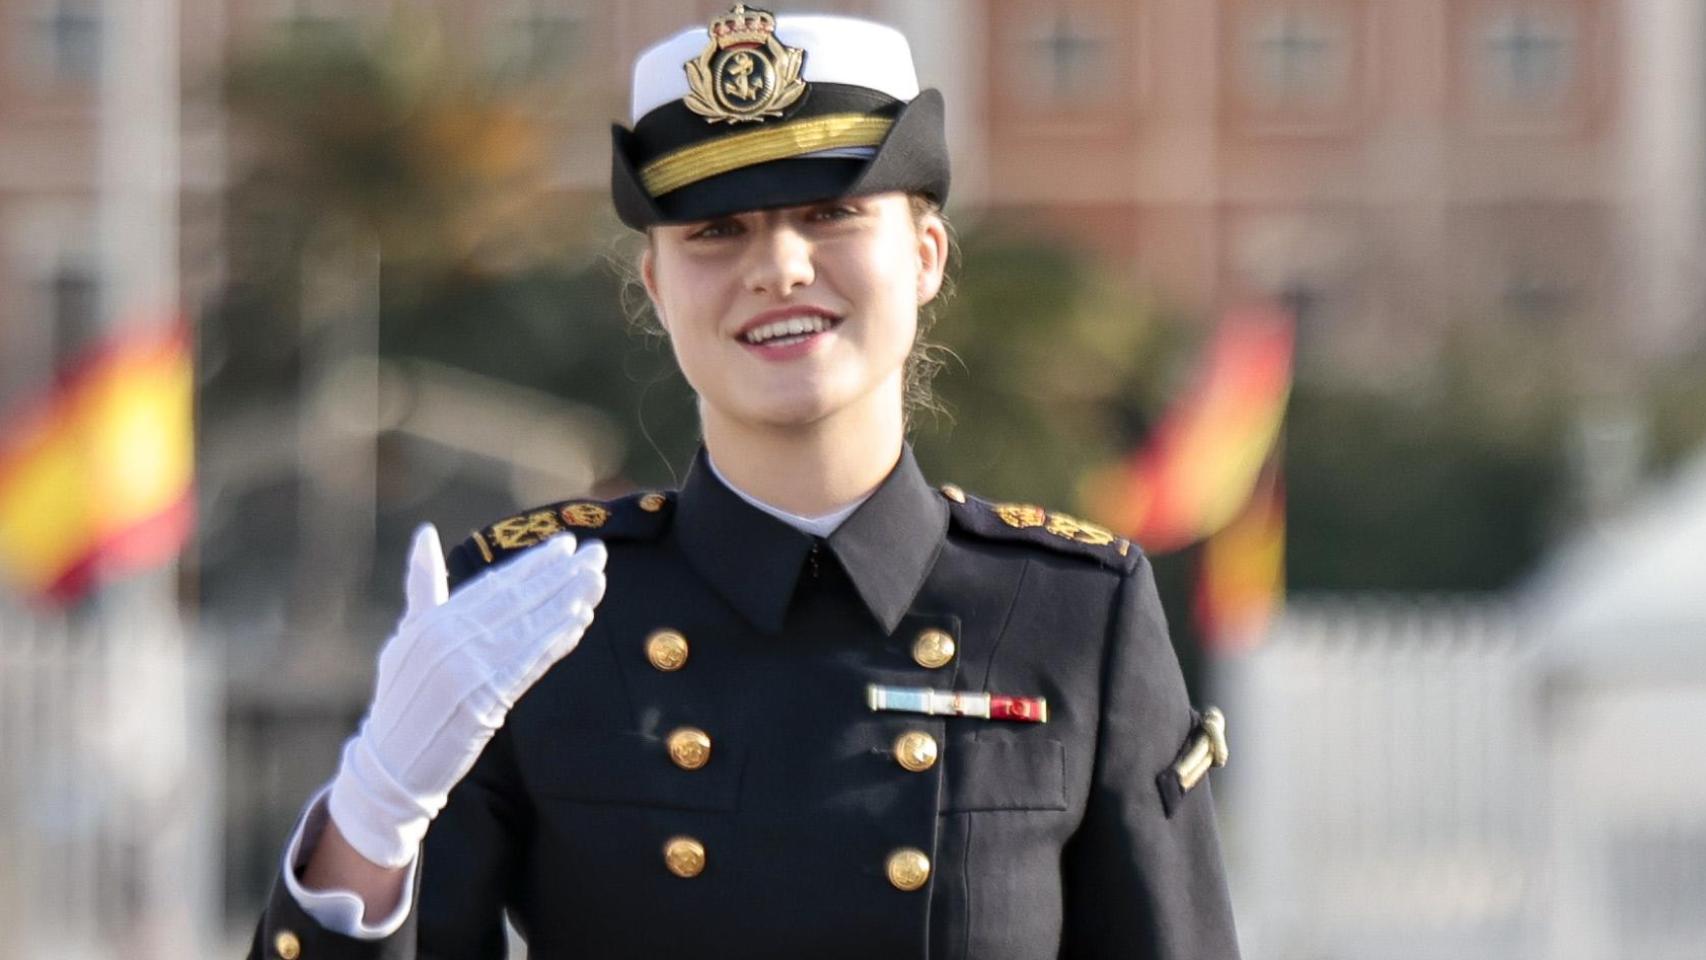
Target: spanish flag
(1201, 465)
(96, 476)
(1241, 583)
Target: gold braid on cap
(677, 169)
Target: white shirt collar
(821, 526)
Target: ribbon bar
(950, 703)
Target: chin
(794, 402)
(792, 411)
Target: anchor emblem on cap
(744, 72)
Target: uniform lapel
(890, 543)
(748, 556)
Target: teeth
(792, 327)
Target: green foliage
(1060, 367)
(1454, 484)
(1676, 395)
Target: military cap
(758, 110)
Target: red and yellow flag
(1241, 583)
(1202, 462)
(96, 477)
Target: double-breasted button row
(916, 751)
(689, 747)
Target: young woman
(823, 708)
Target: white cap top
(838, 50)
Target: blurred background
(1378, 322)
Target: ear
(649, 279)
(932, 257)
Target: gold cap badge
(744, 73)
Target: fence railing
(109, 803)
(1387, 792)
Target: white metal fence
(1424, 778)
(109, 813)
(1386, 792)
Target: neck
(809, 469)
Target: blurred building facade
(1388, 167)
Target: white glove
(447, 679)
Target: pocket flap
(1027, 774)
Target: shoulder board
(1031, 524)
(638, 516)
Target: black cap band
(675, 167)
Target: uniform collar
(754, 560)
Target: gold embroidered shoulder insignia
(639, 516)
(526, 529)
(1031, 523)
(1020, 515)
(590, 515)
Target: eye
(835, 211)
(716, 229)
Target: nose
(778, 260)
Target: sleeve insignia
(1203, 750)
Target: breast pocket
(1002, 774)
(626, 769)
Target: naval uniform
(709, 775)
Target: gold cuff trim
(675, 170)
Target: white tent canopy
(1631, 592)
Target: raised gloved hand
(447, 679)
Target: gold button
(667, 650)
(653, 502)
(689, 748)
(908, 869)
(933, 648)
(286, 945)
(915, 750)
(684, 856)
(953, 493)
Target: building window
(1533, 296)
(1069, 63)
(535, 38)
(1526, 56)
(1298, 57)
(309, 20)
(70, 32)
(72, 309)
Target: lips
(786, 326)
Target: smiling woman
(799, 321)
(814, 707)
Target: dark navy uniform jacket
(772, 829)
